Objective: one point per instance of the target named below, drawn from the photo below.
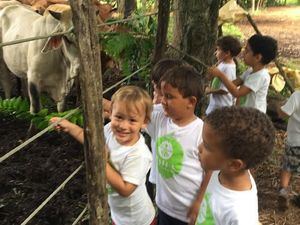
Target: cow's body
(48, 64)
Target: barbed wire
(39, 134)
(51, 195)
(189, 56)
(70, 30)
(80, 216)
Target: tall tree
(196, 28)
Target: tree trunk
(162, 28)
(126, 7)
(196, 29)
(84, 19)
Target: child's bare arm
(232, 86)
(209, 90)
(68, 127)
(281, 113)
(194, 209)
(118, 184)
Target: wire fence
(51, 126)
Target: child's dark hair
(246, 133)
(162, 66)
(264, 45)
(230, 44)
(186, 79)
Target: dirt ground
(283, 24)
(31, 175)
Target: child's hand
(63, 125)
(207, 90)
(214, 71)
(193, 212)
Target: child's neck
(181, 122)
(257, 67)
(228, 60)
(239, 181)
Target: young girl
(228, 47)
(130, 158)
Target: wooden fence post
(84, 19)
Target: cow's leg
(61, 105)
(6, 80)
(34, 96)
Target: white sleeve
(254, 82)
(156, 116)
(107, 130)
(290, 106)
(230, 72)
(135, 168)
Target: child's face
(220, 54)
(127, 121)
(174, 104)
(210, 150)
(249, 58)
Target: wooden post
(84, 19)
(162, 28)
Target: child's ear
(236, 165)
(258, 57)
(193, 101)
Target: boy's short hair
(246, 133)
(133, 95)
(230, 44)
(264, 45)
(186, 79)
(162, 66)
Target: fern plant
(132, 47)
(19, 108)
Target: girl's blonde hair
(134, 95)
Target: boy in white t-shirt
(235, 139)
(130, 158)
(291, 159)
(159, 69)
(228, 47)
(177, 133)
(254, 83)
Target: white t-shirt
(218, 100)
(153, 171)
(258, 82)
(133, 163)
(222, 206)
(292, 108)
(179, 173)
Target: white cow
(49, 65)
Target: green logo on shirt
(205, 216)
(169, 156)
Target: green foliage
(19, 108)
(231, 29)
(132, 47)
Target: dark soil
(31, 175)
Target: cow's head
(66, 43)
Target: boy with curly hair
(235, 139)
(254, 83)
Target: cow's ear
(52, 43)
(56, 15)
